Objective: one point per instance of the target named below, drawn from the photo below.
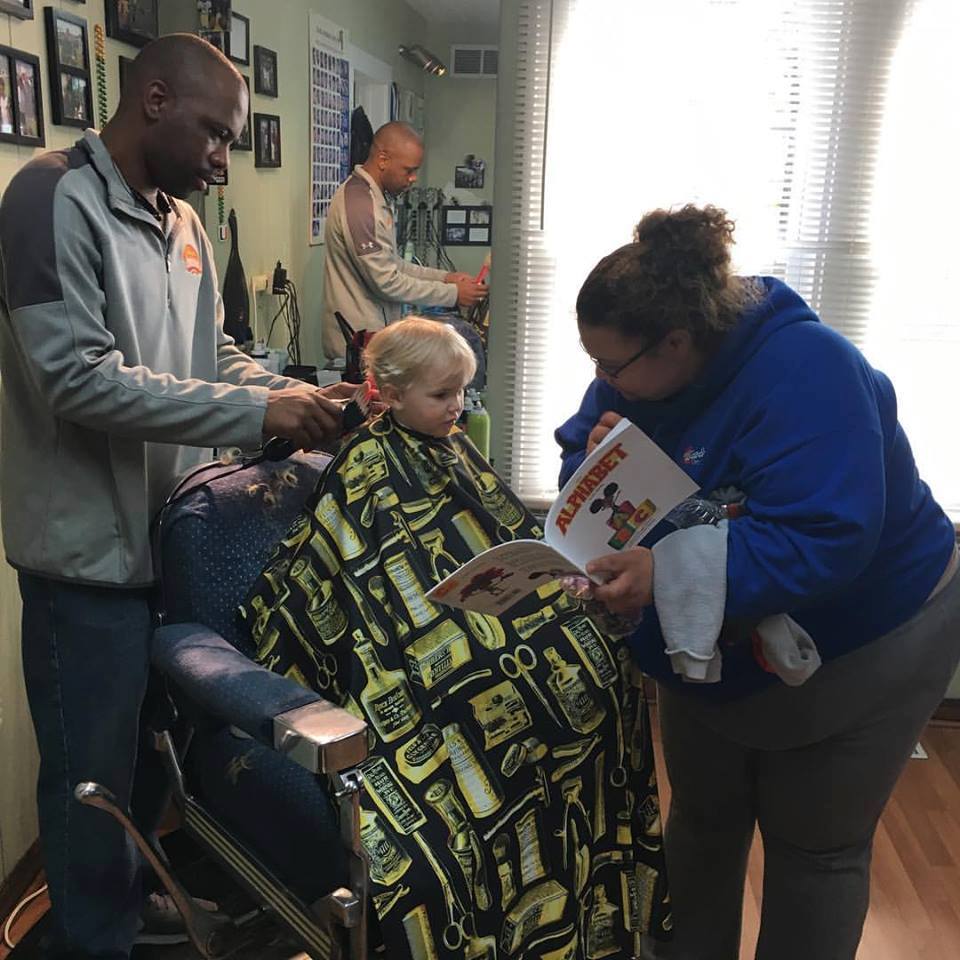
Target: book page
(496, 579)
(618, 494)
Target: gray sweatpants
(814, 766)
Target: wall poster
(329, 118)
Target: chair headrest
(218, 536)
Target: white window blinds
(781, 111)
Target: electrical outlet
(260, 283)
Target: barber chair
(261, 769)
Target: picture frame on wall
(132, 21)
(245, 140)
(68, 62)
(464, 226)
(215, 14)
(265, 72)
(238, 39)
(21, 98)
(123, 69)
(266, 140)
(219, 178)
(17, 8)
(469, 175)
(215, 38)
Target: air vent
(474, 61)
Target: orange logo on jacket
(191, 260)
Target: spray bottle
(478, 423)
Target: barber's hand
(303, 415)
(602, 427)
(456, 277)
(340, 391)
(628, 576)
(469, 291)
(346, 391)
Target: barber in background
(737, 380)
(117, 377)
(364, 278)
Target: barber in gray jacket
(117, 376)
(364, 278)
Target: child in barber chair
(510, 804)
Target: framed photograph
(214, 14)
(132, 21)
(467, 226)
(265, 72)
(21, 103)
(123, 66)
(215, 38)
(219, 179)
(239, 39)
(266, 140)
(245, 140)
(68, 60)
(470, 174)
(17, 8)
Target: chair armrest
(273, 709)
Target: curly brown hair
(675, 275)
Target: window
(813, 122)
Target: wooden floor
(915, 884)
(915, 901)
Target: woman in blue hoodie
(835, 535)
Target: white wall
(461, 118)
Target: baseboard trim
(19, 880)
(947, 712)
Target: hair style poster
(329, 119)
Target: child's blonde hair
(399, 353)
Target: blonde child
(510, 804)
(421, 368)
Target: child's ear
(391, 395)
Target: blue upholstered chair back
(216, 539)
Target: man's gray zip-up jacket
(364, 277)
(115, 371)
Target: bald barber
(117, 376)
(364, 278)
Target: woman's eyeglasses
(614, 370)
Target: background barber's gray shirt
(363, 275)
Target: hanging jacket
(361, 137)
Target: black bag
(236, 300)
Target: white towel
(690, 594)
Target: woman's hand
(628, 576)
(602, 427)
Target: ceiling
(485, 13)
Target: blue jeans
(85, 662)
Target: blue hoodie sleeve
(812, 456)
(572, 435)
